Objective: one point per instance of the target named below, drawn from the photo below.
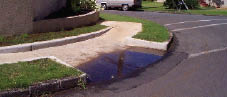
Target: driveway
(195, 67)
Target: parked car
(124, 4)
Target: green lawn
(23, 74)
(151, 31)
(29, 38)
(155, 6)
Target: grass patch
(24, 74)
(29, 38)
(151, 31)
(156, 6)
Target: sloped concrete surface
(81, 52)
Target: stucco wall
(15, 17)
(42, 8)
(225, 3)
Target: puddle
(117, 64)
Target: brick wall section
(15, 17)
(53, 25)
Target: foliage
(1, 38)
(81, 5)
(174, 4)
(171, 4)
(192, 4)
(82, 83)
(88, 5)
(75, 5)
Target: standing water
(117, 65)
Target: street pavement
(195, 66)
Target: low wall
(53, 25)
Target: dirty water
(119, 64)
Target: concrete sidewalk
(80, 52)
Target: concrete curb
(51, 43)
(48, 86)
(149, 44)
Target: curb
(149, 44)
(51, 43)
(48, 86)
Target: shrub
(88, 5)
(1, 38)
(192, 4)
(81, 5)
(73, 5)
(173, 4)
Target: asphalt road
(196, 65)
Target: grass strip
(151, 31)
(29, 38)
(157, 6)
(24, 74)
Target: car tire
(125, 7)
(104, 6)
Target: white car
(124, 4)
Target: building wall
(42, 8)
(15, 17)
(223, 3)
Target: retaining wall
(53, 25)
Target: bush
(174, 4)
(88, 5)
(81, 5)
(1, 38)
(192, 4)
(73, 5)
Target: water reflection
(117, 64)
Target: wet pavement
(116, 65)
